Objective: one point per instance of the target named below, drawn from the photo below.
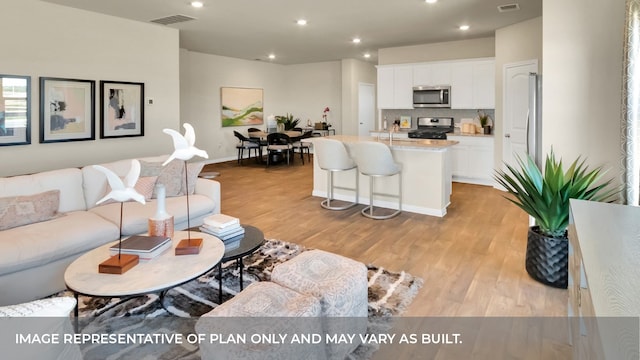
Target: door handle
(507, 135)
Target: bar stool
(375, 160)
(333, 156)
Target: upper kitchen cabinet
(395, 87)
(473, 84)
(432, 74)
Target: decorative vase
(161, 224)
(487, 130)
(547, 259)
(280, 127)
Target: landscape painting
(241, 106)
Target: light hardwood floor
(471, 260)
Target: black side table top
(252, 240)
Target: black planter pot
(547, 259)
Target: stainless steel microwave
(432, 96)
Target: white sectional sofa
(33, 257)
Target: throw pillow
(171, 175)
(193, 170)
(23, 210)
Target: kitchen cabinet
(604, 286)
(473, 84)
(432, 74)
(472, 159)
(395, 87)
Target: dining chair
(246, 144)
(332, 156)
(375, 160)
(278, 143)
(303, 146)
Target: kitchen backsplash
(456, 114)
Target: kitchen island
(426, 176)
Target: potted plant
(484, 122)
(546, 199)
(287, 121)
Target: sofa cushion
(68, 181)
(135, 216)
(144, 186)
(37, 244)
(28, 209)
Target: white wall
(518, 42)
(450, 50)
(302, 90)
(582, 85)
(354, 72)
(43, 39)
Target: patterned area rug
(389, 295)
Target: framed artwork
(241, 106)
(405, 122)
(121, 109)
(15, 110)
(67, 110)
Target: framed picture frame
(15, 110)
(241, 106)
(67, 110)
(405, 122)
(121, 109)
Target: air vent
(173, 19)
(508, 7)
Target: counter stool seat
(375, 160)
(332, 157)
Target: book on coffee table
(220, 221)
(146, 247)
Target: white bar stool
(375, 160)
(333, 156)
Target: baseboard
(386, 204)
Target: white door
(366, 108)
(516, 108)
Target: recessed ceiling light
(356, 40)
(431, 1)
(272, 56)
(197, 4)
(367, 55)
(301, 22)
(464, 27)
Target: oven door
(429, 96)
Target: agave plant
(288, 121)
(546, 197)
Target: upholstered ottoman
(268, 316)
(340, 284)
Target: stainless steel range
(432, 128)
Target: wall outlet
(149, 101)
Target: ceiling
(250, 29)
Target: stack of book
(146, 247)
(226, 228)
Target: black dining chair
(278, 143)
(303, 146)
(246, 144)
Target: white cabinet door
(462, 85)
(385, 88)
(422, 75)
(441, 74)
(403, 87)
(472, 159)
(484, 80)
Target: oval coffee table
(252, 240)
(156, 275)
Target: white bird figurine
(184, 149)
(122, 190)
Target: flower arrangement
(324, 113)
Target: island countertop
(426, 144)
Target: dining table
(262, 135)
